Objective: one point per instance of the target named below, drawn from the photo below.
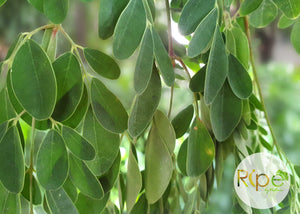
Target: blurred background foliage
(277, 61)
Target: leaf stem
(31, 164)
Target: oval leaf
(79, 146)
(56, 10)
(89, 205)
(290, 8)
(108, 108)
(239, 79)
(264, 14)
(144, 106)
(203, 34)
(163, 60)
(144, 64)
(295, 39)
(217, 68)
(102, 63)
(105, 143)
(52, 161)
(158, 166)
(285, 22)
(182, 121)
(249, 6)
(9, 202)
(134, 181)
(129, 29)
(12, 166)
(6, 111)
(59, 202)
(225, 113)
(200, 149)
(84, 179)
(198, 80)
(33, 80)
(192, 14)
(69, 86)
(36, 192)
(182, 156)
(109, 13)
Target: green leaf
(52, 163)
(239, 79)
(163, 60)
(246, 112)
(69, 85)
(38, 4)
(108, 179)
(144, 106)
(182, 121)
(107, 107)
(12, 166)
(198, 80)
(253, 99)
(249, 6)
(134, 181)
(140, 206)
(59, 202)
(285, 22)
(203, 35)
(3, 129)
(297, 170)
(193, 13)
(290, 8)
(9, 202)
(56, 10)
(109, 13)
(217, 68)
(242, 52)
(79, 146)
(265, 143)
(102, 63)
(144, 64)
(6, 111)
(33, 80)
(182, 156)
(80, 111)
(2, 2)
(226, 111)
(36, 192)
(264, 14)
(84, 179)
(49, 43)
(71, 190)
(158, 161)
(230, 42)
(150, 12)
(105, 143)
(129, 29)
(89, 205)
(200, 149)
(295, 39)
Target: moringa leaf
(182, 156)
(83, 178)
(290, 8)
(248, 6)
(200, 149)
(105, 143)
(239, 79)
(144, 106)
(217, 68)
(9, 202)
(182, 121)
(203, 35)
(2, 2)
(264, 14)
(69, 86)
(56, 10)
(36, 192)
(102, 63)
(144, 64)
(89, 205)
(129, 29)
(79, 146)
(134, 180)
(225, 114)
(163, 60)
(52, 164)
(107, 107)
(109, 12)
(295, 39)
(6, 111)
(193, 13)
(198, 80)
(12, 166)
(33, 80)
(285, 22)
(59, 202)
(71, 190)
(38, 4)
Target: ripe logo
(261, 181)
